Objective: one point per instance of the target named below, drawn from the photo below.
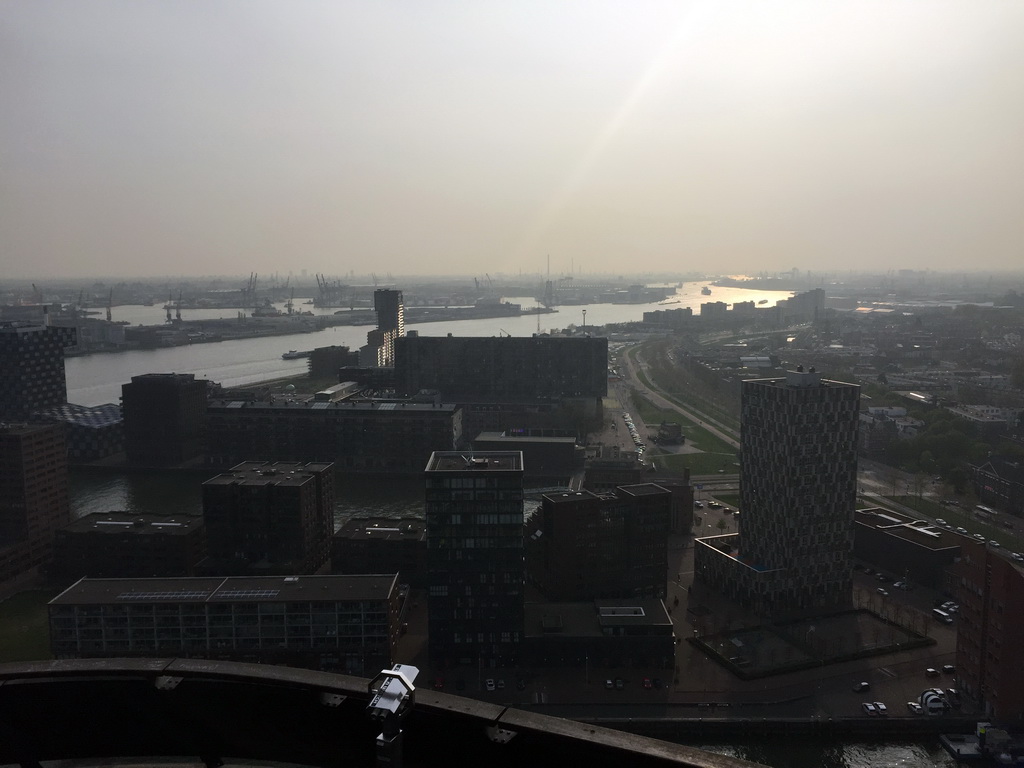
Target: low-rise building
(346, 624)
(127, 545)
(376, 544)
(910, 548)
(602, 633)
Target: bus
(984, 512)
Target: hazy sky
(140, 137)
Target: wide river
(97, 379)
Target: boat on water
(293, 354)
(763, 301)
(705, 291)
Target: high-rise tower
(475, 560)
(798, 490)
(32, 372)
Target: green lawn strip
(24, 626)
(695, 434)
(697, 463)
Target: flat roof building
(128, 545)
(503, 368)
(475, 558)
(164, 418)
(614, 545)
(335, 623)
(365, 436)
(34, 496)
(269, 518)
(372, 544)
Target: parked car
(880, 708)
(861, 686)
(647, 683)
(869, 708)
(949, 669)
(609, 683)
(489, 684)
(914, 708)
(931, 672)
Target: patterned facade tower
(475, 560)
(32, 369)
(798, 490)
(798, 485)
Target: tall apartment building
(32, 372)
(990, 632)
(164, 418)
(380, 343)
(475, 561)
(266, 518)
(34, 500)
(343, 624)
(798, 489)
(613, 545)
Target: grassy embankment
(24, 629)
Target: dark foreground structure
(166, 709)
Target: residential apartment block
(164, 418)
(34, 499)
(990, 629)
(475, 559)
(586, 546)
(366, 436)
(264, 517)
(502, 369)
(343, 624)
(128, 545)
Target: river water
(97, 379)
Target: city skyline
(142, 140)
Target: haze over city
(157, 138)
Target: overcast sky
(141, 137)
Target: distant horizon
(650, 137)
(394, 281)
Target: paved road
(655, 396)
